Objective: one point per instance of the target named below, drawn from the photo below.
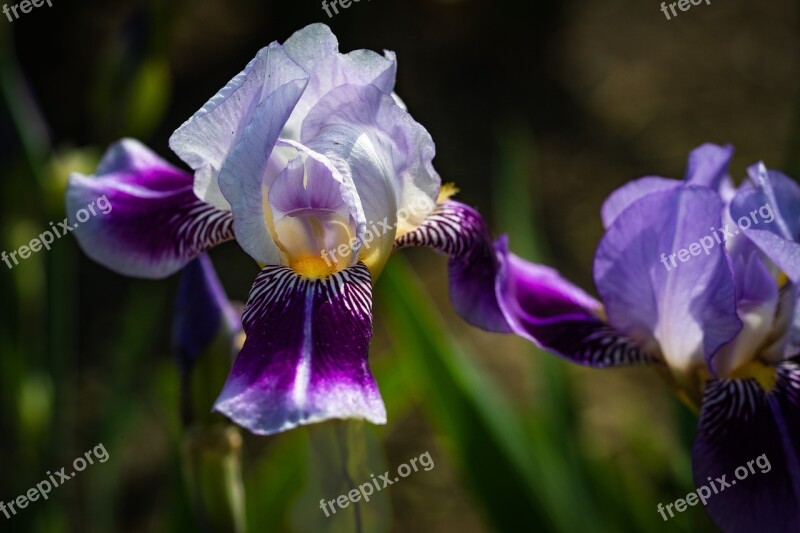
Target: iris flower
(314, 166)
(722, 322)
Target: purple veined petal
(202, 312)
(269, 86)
(744, 429)
(153, 223)
(771, 209)
(305, 356)
(544, 308)
(316, 49)
(688, 307)
(708, 165)
(459, 231)
(629, 193)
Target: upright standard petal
(305, 356)
(544, 308)
(384, 147)
(272, 81)
(154, 223)
(622, 198)
(708, 165)
(747, 447)
(316, 49)
(243, 175)
(771, 210)
(685, 308)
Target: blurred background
(539, 110)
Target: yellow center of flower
(312, 267)
(766, 376)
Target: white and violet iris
(298, 154)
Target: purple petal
(269, 85)
(458, 231)
(689, 308)
(746, 430)
(629, 193)
(316, 50)
(154, 224)
(305, 357)
(708, 165)
(772, 212)
(757, 302)
(202, 312)
(543, 307)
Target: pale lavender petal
(546, 309)
(771, 209)
(305, 357)
(154, 224)
(289, 191)
(204, 142)
(744, 429)
(688, 307)
(316, 49)
(459, 231)
(385, 151)
(242, 175)
(756, 304)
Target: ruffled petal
(305, 357)
(687, 307)
(376, 137)
(459, 231)
(257, 101)
(544, 308)
(771, 210)
(316, 49)
(154, 224)
(752, 438)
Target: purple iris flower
(701, 279)
(311, 163)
